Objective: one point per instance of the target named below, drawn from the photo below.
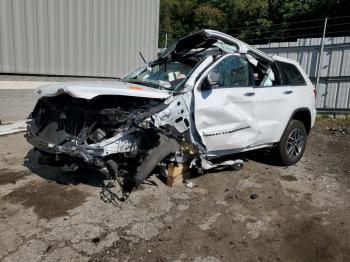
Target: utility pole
(320, 64)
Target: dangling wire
(107, 195)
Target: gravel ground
(299, 213)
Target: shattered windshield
(161, 75)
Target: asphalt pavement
(16, 104)
(17, 93)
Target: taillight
(315, 92)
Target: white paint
(247, 122)
(89, 90)
(228, 120)
(226, 111)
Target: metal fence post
(166, 41)
(319, 62)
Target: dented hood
(91, 89)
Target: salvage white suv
(207, 96)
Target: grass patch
(325, 122)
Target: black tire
(291, 142)
(154, 156)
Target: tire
(165, 147)
(292, 144)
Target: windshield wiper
(145, 83)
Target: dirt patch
(49, 200)
(289, 178)
(11, 176)
(329, 154)
(301, 213)
(333, 126)
(310, 241)
(275, 225)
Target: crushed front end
(111, 134)
(125, 129)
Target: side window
(290, 75)
(265, 74)
(233, 71)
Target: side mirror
(212, 80)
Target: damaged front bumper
(121, 143)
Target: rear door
(277, 96)
(224, 114)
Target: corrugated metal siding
(77, 37)
(333, 90)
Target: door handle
(249, 94)
(287, 92)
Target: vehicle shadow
(263, 156)
(80, 176)
(95, 179)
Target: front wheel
(293, 142)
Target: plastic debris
(340, 130)
(189, 185)
(208, 165)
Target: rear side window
(290, 75)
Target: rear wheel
(292, 144)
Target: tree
(207, 16)
(253, 21)
(176, 19)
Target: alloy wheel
(295, 143)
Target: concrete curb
(23, 84)
(11, 128)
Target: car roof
(207, 37)
(284, 59)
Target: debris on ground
(339, 130)
(253, 196)
(207, 165)
(189, 185)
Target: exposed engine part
(103, 134)
(124, 129)
(98, 135)
(113, 175)
(124, 141)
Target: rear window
(290, 75)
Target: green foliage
(208, 16)
(249, 20)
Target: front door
(224, 112)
